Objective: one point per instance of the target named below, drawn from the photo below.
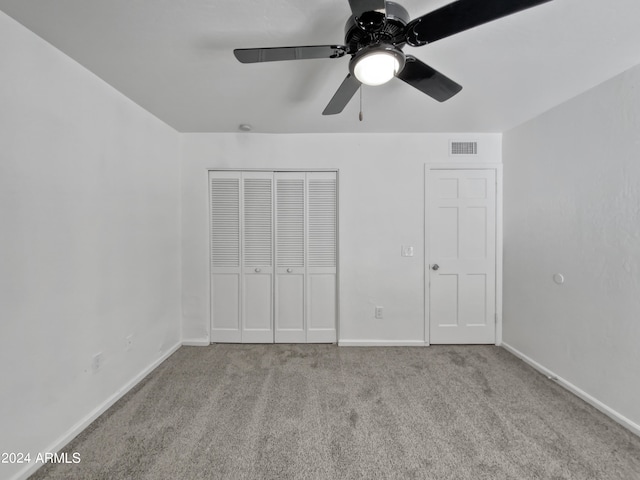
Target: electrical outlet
(379, 312)
(96, 362)
(128, 341)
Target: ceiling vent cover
(463, 148)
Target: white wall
(381, 207)
(572, 206)
(89, 242)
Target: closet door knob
(289, 270)
(258, 270)
(435, 267)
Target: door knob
(258, 270)
(435, 266)
(289, 270)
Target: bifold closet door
(306, 257)
(226, 281)
(322, 256)
(273, 257)
(257, 257)
(241, 257)
(290, 258)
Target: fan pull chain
(360, 116)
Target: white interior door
(462, 256)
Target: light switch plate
(407, 251)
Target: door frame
(275, 170)
(497, 167)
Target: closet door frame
(216, 338)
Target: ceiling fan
(375, 35)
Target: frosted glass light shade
(376, 68)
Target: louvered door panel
(322, 222)
(225, 242)
(258, 222)
(290, 257)
(257, 255)
(322, 228)
(290, 217)
(225, 222)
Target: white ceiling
(174, 58)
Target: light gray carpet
(323, 412)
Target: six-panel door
(462, 256)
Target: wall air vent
(463, 148)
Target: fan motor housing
(392, 32)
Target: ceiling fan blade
(358, 7)
(427, 80)
(345, 92)
(462, 15)
(257, 55)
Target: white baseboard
(381, 343)
(197, 342)
(608, 411)
(86, 421)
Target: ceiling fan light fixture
(377, 64)
(376, 68)
(374, 36)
